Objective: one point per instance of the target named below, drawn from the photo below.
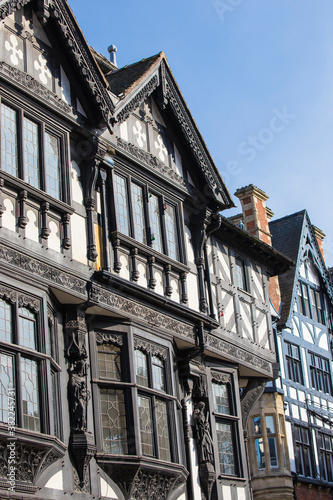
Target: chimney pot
(112, 49)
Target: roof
(123, 80)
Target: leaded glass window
(141, 368)
(146, 425)
(226, 448)
(30, 395)
(31, 152)
(113, 421)
(6, 384)
(163, 430)
(5, 322)
(138, 213)
(158, 373)
(155, 222)
(109, 361)
(52, 166)
(241, 274)
(9, 140)
(27, 328)
(171, 232)
(121, 200)
(221, 398)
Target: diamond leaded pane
(171, 232)
(146, 427)
(109, 361)
(6, 333)
(158, 373)
(163, 430)
(27, 325)
(113, 421)
(155, 223)
(52, 166)
(225, 448)
(8, 140)
(138, 213)
(6, 384)
(31, 152)
(221, 399)
(30, 394)
(120, 193)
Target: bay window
(32, 150)
(146, 216)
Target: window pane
(30, 394)
(138, 213)
(155, 223)
(272, 452)
(221, 398)
(141, 368)
(257, 426)
(109, 361)
(225, 448)
(5, 322)
(158, 373)
(162, 430)
(171, 232)
(120, 193)
(240, 271)
(31, 153)
(260, 453)
(270, 426)
(27, 328)
(52, 167)
(6, 385)
(55, 405)
(8, 140)
(113, 421)
(146, 428)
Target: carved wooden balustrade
(34, 214)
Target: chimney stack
(320, 236)
(256, 217)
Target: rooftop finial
(112, 51)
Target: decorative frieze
(138, 99)
(109, 337)
(221, 378)
(136, 310)
(11, 6)
(150, 160)
(150, 348)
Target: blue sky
(257, 76)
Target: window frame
(325, 456)
(244, 271)
(165, 200)
(321, 379)
(48, 394)
(292, 362)
(233, 419)
(45, 126)
(301, 445)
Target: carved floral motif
(138, 98)
(106, 337)
(150, 348)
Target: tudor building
(131, 312)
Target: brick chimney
(256, 217)
(320, 236)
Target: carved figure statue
(204, 440)
(79, 397)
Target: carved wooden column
(81, 443)
(66, 241)
(152, 280)
(45, 230)
(168, 287)
(22, 218)
(183, 282)
(135, 273)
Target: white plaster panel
(262, 329)
(123, 131)
(223, 263)
(316, 400)
(53, 241)
(31, 229)
(107, 491)
(292, 393)
(287, 411)
(226, 492)
(210, 251)
(228, 309)
(192, 290)
(313, 274)
(189, 246)
(304, 364)
(56, 482)
(9, 216)
(65, 86)
(175, 290)
(301, 396)
(124, 270)
(159, 282)
(303, 414)
(77, 191)
(330, 404)
(257, 284)
(245, 312)
(323, 342)
(241, 493)
(79, 238)
(302, 270)
(314, 440)
(142, 274)
(307, 332)
(290, 446)
(178, 162)
(182, 497)
(295, 411)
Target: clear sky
(257, 76)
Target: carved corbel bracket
(251, 394)
(81, 448)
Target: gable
(134, 85)
(34, 59)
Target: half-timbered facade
(131, 312)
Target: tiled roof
(286, 236)
(124, 79)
